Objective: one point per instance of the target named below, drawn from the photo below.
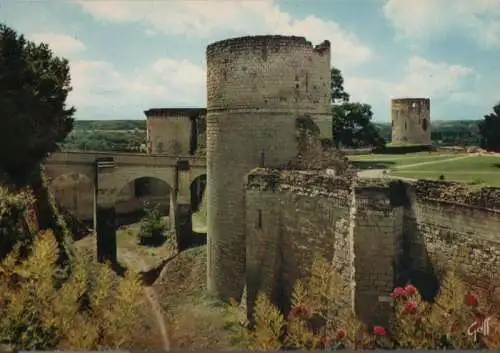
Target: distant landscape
(130, 135)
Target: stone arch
(129, 199)
(74, 192)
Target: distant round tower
(411, 121)
(256, 87)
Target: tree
(489, 129)
(34, 118)
(352, 126)
(337, 87)
(351, 123)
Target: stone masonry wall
(400, 235)
(256, 88)
(411, 121)
(75, 192)
(292, 215)
(170, 130)
(455, 230)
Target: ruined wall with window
(411, 121)
(175, 131)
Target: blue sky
(129, 56)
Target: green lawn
(378, 161)
(489, 164)
(479, 170)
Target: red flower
(379, 330)
(398, 292)
(471, 299)
(341, 334)
(300, 311)
(410, 289)
(410, 307)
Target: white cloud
(208, 19)
(433, 19)
(62, 44)
(422, 78)
(97, 84)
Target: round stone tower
(256, 87)
(411, 121)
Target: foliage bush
(152, 226)
(92, 309)
(316, 321)
(14, 229)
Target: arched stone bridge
(110, 172)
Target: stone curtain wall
(400, 235)
(447, 225)
(293, 215)
(377, 239)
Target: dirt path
(431, 162)
(158, 313)
(152, 299)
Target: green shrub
(93, 309)
(152, 226)
(314, 323)
(14, 228)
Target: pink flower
(398, 292)
(410, 289)
(341, 334)
(379, 330)
(471, 299)
(410, 307)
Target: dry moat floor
(191, 319)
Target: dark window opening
(142, 187)
(262, 159)
(405, 126)
(425, 125)
(159, 147)
(259, 219)
(182, 165)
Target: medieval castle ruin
(265, 220)
(411, 121)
